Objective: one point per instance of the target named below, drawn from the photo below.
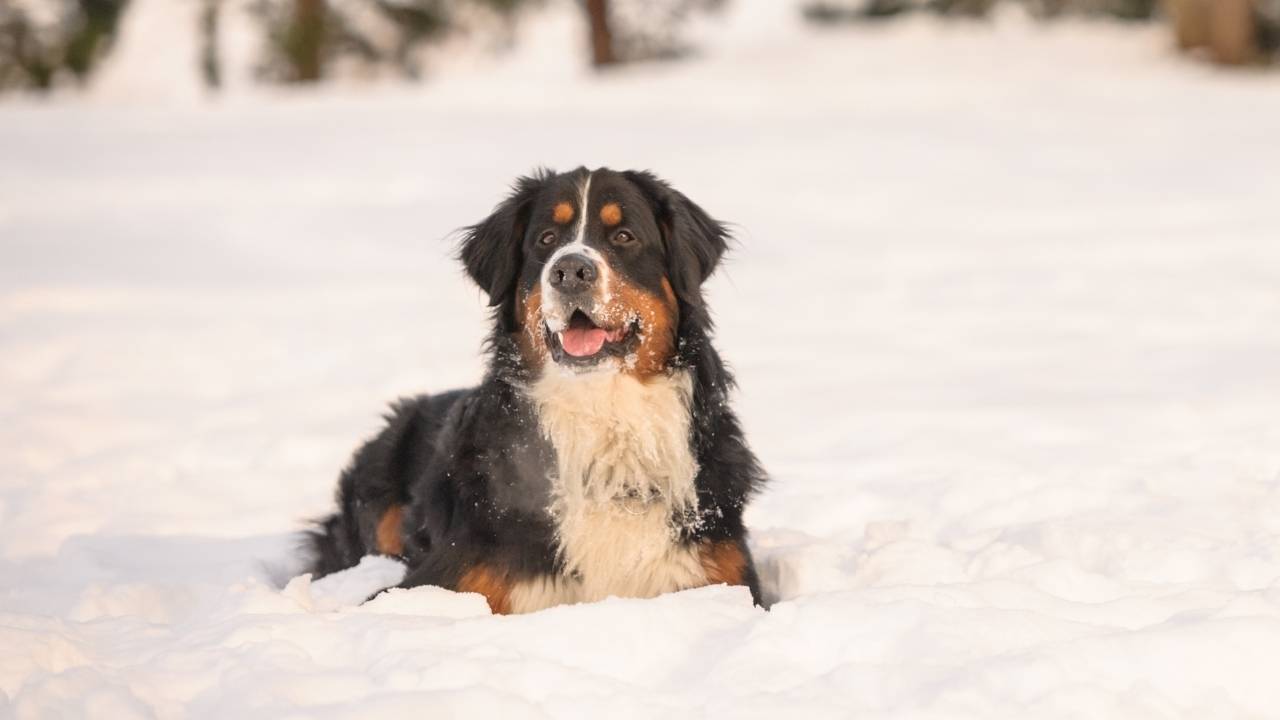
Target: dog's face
(595, 269)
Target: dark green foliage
(23, 60)
(210, 68)
(92, 28)
(419, 22)
(835, 11)
(651, 29)
(1269, 28)
(36, 57)
(1123, 9)
(503, 7)
(306, 38)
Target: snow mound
(348, 587)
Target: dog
(599, 456)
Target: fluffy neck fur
(624, 478)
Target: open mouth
(583, 340)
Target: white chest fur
(624, 469)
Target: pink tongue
(582, 342)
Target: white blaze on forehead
(552, 308)
(583, 205)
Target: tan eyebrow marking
(611, 214)
(562, 213)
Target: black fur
(471, 467)
(491, 251)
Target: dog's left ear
(491, 249)
(694, 240)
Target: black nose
(573, 273)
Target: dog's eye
(546, 238)
(623, 237)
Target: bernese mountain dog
(599, 456)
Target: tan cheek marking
(611, 214)
(388, 536)
(490, 583)
(529, 338)
(669, 294)
(723, 562)
(562, 213)
(657, 325)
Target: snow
(157, 54)
(1005, 314)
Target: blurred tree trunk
(308, 39)
(210, 66)
(974, 8)
(601, 36)
(1226, 28)
(1190, 23)
(1232, 36)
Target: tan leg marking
(492, 584)
(388, 536)
(723, 562)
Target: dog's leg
(729, 562)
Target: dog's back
(375, 487)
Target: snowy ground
(1006, 316)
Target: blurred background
(51, 44)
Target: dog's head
(595, 269)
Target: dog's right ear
(694, 241)
(491, 249)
